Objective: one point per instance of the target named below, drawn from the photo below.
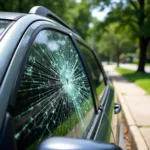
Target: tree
(134, 15)
(77, 15)
(81, 17)
(113, 44)
(18, 5)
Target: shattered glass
(54, 98)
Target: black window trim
(104, 97)
(100, 66)
(12, 99)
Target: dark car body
(51, 84)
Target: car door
(104, 94)
(53, 94)
(41, 104)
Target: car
(54, 92)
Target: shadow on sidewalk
(118, 78)
(130, 77)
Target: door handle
(117, 108)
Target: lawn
(140, 79)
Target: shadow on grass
(141, 79)
(132, 75)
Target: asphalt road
(134, 67)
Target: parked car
(52, 85)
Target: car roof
(11, 15)
(39, 11)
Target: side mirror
(117, 108)
(65, 143)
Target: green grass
(140, 79)
(148, 64)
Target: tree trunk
(20, 5)
(108, 58)
(143, 41)
(2, 5)
(142, 56)
(118, 57)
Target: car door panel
(104, 92)
(114, 122)
(13, 76)
(104, 131)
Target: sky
(100, 15)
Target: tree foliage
(133, 18)
(113, 44)
(126, 25)
(75, 14)
(81, 17)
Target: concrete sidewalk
(135, 106)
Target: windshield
(3, 25)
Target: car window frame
(22, 65)
(107, 88)
(97, 60)
(101, 106)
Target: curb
(138, 142)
